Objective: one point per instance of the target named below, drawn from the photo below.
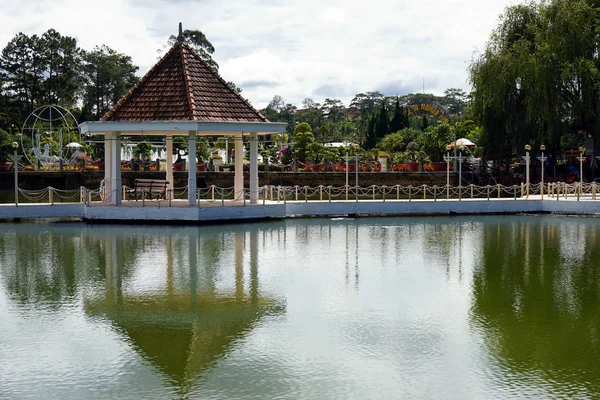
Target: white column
(116, 169)
(253, 168)
(192, 168)
(169, 140)
(107, 164)
(238, 185)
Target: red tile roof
(182, 87)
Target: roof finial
(180, 36)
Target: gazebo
(181, 96)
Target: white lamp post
(542, 160)
(581, 159)
(347, 158)
(527, 158)
(15, 146)
(460, 160)
(448, 158)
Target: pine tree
(371, 140)
(382, 126)
(399, 120)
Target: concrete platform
(180, 212)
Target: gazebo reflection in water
(183, 329)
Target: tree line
(538, 79)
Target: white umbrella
(74, 145)
(463, 142)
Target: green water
(461, 308)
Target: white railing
(222, 196)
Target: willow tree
(538, 77)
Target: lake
(437, 307)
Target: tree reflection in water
(536, 298)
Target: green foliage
(302, 128)
(435, 139)
(304, 145)
(414, 153)
(538, 77)
(399, 119)
(397, 142)
(202, 150)
(6, 148)
(198, 41)
(142, 150)
(107, 76)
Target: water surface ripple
(443, 307)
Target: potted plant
(226, 167)
(415, 156)
(384, 160)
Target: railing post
(278, 193)
(397, 192)
(143, 197)
(593, 190)
(321, 192)
(296, 192)
(284, 195)
(81, 194)
(459, 193)
(488, 192)
(384, 189)
(347, 187)
(51, 195)
(212, 191)
(89, 197)
(409, 192)
(522, 190)
(448, 192)
(124, 191)
(578, 190)
(170, 193)
(515, 188)
(356, 188)
(271, 191)
(499, 187)
(329, 192)
(374, 192)
(306, 194)
(434, 192)
(472, 186)
(424, 192)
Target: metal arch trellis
(45, 126)
(419, 108)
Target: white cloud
(295, 48)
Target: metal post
(527, 148)
(15, 146)
(581, 158)
(459, 169)
(347, 158)
(448, 158)
(356, 168)
(542, 160)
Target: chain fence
(268, 194)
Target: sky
(293, 48)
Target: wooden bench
(149, 187)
